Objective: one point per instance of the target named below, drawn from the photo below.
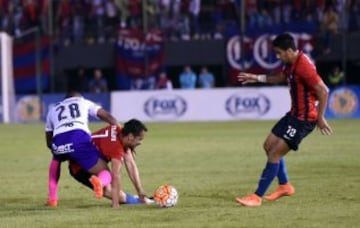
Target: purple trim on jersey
(82, 150)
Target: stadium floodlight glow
(7, 78)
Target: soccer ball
(166, 196)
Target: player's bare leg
(275, 149)
(284, 188)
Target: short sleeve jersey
(108, 142)
(302, 78)
(70, 114)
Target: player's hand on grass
(324, 127)
(142, 197)
(115, 205)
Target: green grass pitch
(209, 164)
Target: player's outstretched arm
(115, 181)
(107, 117)
(133, 173)
(246, 78)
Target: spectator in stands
(163, 82)
(98, 84)
(251, 13)
(79, 82)
(17, 14)
(354, 16)
(165, 20)
(275, 10)
(31, 13)
(264, 20)
(342, 9)
(219, 31)
(135, 8)
(336, 77)
(194, 11)
(206, 78)
(63, 19)
(286, 11)
(152, 11)
(44, 18)
(187, 78)
(297, 10)
(145, 83)
(124, 13)
(79, 18)
(111, 19)
(329, 27)
(98, 19)
(228, 8)
(181, 18)
(5, 17)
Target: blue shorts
(292, 130)
(76, 145)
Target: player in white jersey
(69, 138)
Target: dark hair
(284, 41)
(134, 127)
(72, 93)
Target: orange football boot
(51, 203)
(251, 200)
(282, 190)
(97, 186)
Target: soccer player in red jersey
(113, 143)
(117, 143)
(309, 97)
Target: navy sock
(267, 177)
(282, 174)
(130, 199)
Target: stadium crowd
(99, 20)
